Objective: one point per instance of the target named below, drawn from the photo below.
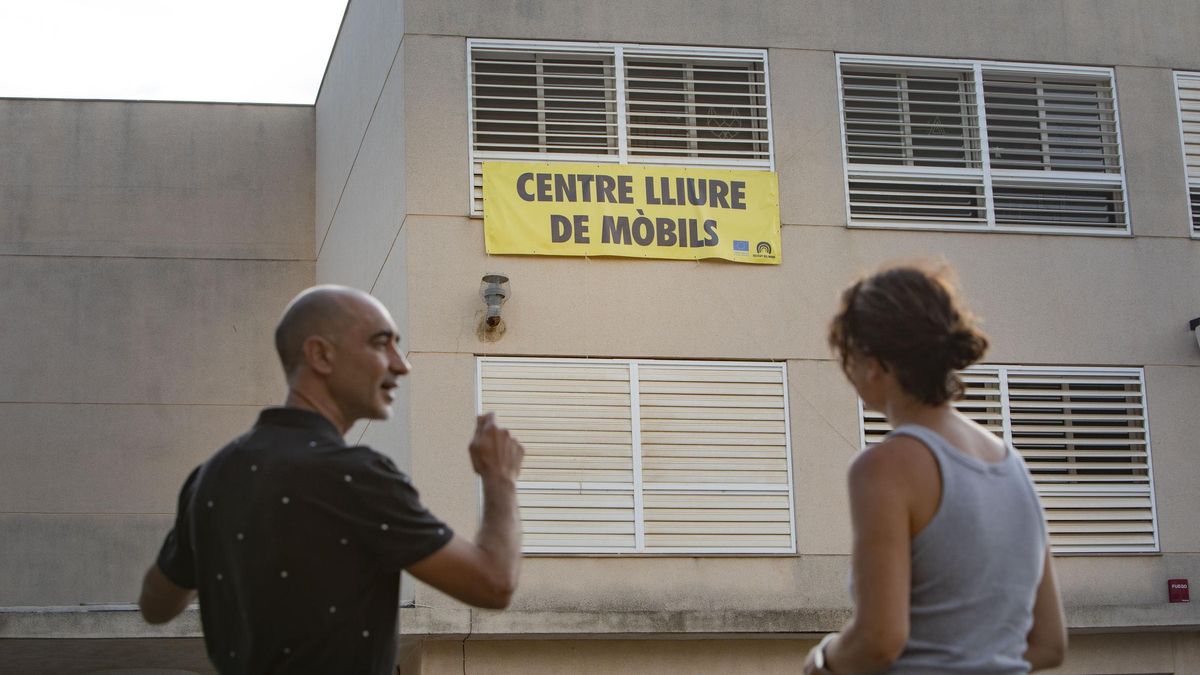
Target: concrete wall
(145, 252)
(393, 188)
(1110, 32)
(1045, 299)
(146, 249)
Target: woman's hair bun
(965, 346)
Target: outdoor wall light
(495, 292)
(1192, 325)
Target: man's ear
(319, 354)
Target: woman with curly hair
(951, 569)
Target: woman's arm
(1047, 640)
(880, 508)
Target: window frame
(639, 490)
(1002, 371)
(1190, 185)
(623, 156)
(985, 172)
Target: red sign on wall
(1177, 590)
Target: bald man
(295, 540)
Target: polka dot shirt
(296, 542)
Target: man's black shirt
(296, 542)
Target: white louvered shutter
(609, 103)
(714, 449)
(903, 128)
(647, 456)
(1044, 155)
(576, 488)
(1058, 127)
(547, 103)
(1083, 435)
(1188, 90)
(708, 108)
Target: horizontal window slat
(1074, 507)
(695, 464)
(572, 449)
(656, 412)
(582, 463)
(1109, 539)
(703, 387)
(912, 220)
(699, 374)
(1085, 514)
(589, 542)
(684, 152)
(1090, 482)
(575, 436)
(575, 473)
(950, 183)
(530, 513)
(709, 528)
(494, 115)
(695, 112)
(582, 527)
(901, 160)
(560, 398)
(733, 542)
(724, 478)
(1134, 485)
(706, 140)
(529, 497)
(570, 423)
(912, 193)
(1033, 454)
(719, 451)
(732, 514)
(923, 207)
(711, 438)
(497, 372)
(710, 426)
(543, 385)
(1109, 529)
(519, 411)
(704, 501)
(703, 400)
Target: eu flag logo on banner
(741, 245)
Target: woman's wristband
(819, 658)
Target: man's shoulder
(324, 458)
(365, 456)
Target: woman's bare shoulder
(898, 456)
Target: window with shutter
(1187, 90)
(1084, 436)
(647, 456)
(616, 103)
(1043, 155)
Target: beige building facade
(1042, 148)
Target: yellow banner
(678, 213)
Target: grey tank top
(975, 567)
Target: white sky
(261, 51)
